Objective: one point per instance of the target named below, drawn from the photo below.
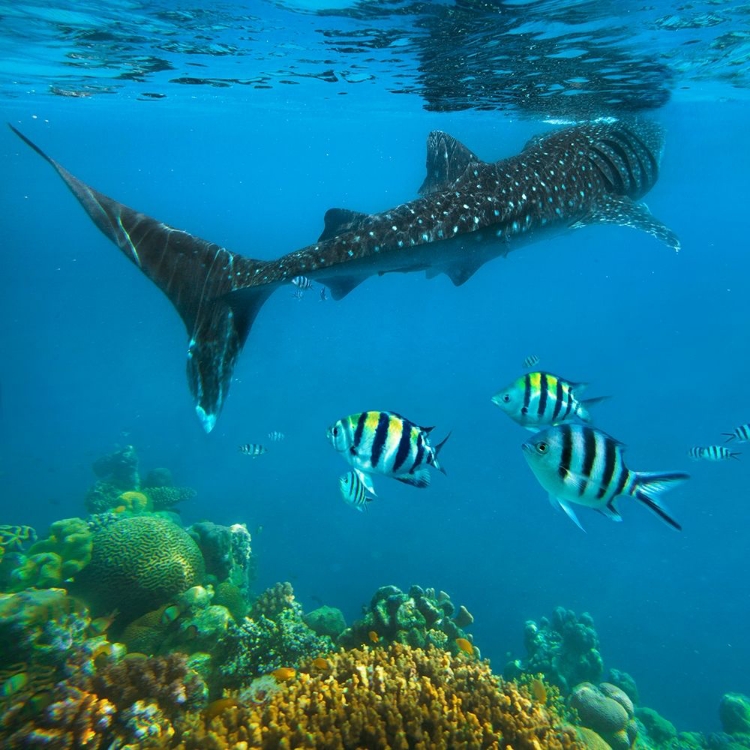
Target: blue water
(93, 357)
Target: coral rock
(608, 711)
(326, 621)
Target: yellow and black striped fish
(381, 442)
(540, 399)
(253, 450)
(712, 453)
(580, 465)
(741, 434)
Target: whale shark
(469, 212)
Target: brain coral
(138, 564)
(395, 697)
(608, 711)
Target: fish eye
(506, 398)
(335, 431)
(542, 447)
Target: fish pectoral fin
(420, 478)
(628, 213)
(366, 480)
(447, 160)
(611, 512)
(459, 273)
(340, 286)
(339, 220)
(558, 502)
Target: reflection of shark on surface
(470, 212)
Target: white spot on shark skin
(425, 238)
(394, 228)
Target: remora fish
(471, 212)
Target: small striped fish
(276, 436)
(302, 282)
(382, 442)
(253, 450)
(578, 464)
(354, 491)
(712, 453)
(741, 434)
(540, 399)
(531, 361)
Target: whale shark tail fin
(214, 290)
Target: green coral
(657, 729)
(326, 621)
(418, 618)
(138, 564)
(230, 596)
(56, 559)
(734, 712)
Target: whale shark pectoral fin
(447, 160)
(627, 213)
(340, 286)
(197, 277)
(459, 273)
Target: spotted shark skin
(470, 212)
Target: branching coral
(138, 564)
(399, 697)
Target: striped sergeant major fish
(712, 453)
(354, 491)
(741, 434)
(381, 442)
(302, 282)
(276, 436)
(540, 399)
(470, 212)
(531, 361)
(580, 465)
(253, 450)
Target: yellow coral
(135, 502)
(395, 697)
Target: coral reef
(734, 713)
(119, 468)
(395, 697)
(56, 559)
(40, 624)
(164, 498)
(418, 618)
(138, 564)
(564, 648)
(326, 621)
(656, 730)
(608, 711)
(228, 553)
(626, 683)
(273, 636)
(138, 702)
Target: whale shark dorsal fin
(447, 160)
(340, 220)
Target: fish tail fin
(649, 486)
(729, 435)
(584, 404)
(437, 450)
(217, 293)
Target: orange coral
(396, 697)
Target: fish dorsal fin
(447, 160)
(340, 220)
